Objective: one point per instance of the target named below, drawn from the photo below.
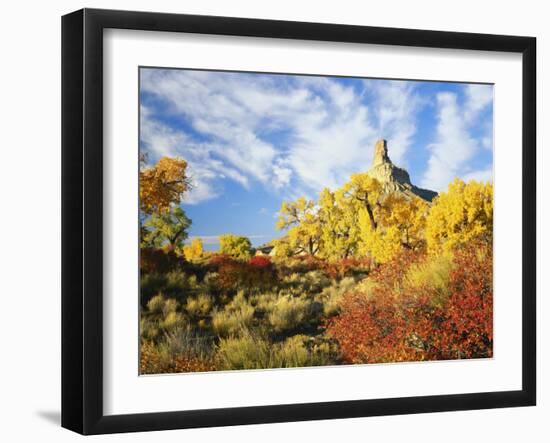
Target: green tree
(166, 229)
(235, 246)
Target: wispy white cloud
(454, 143)
(396, 105)
(482, 175)
(289, 134)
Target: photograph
(291, 220)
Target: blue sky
(254, 140)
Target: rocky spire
(380, 153)
(393, 178)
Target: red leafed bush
(154, 260)
(260, 262)
(396, 323)
(257, 273)
(467, 327)
(232, 275)
(347, 266)
(218, 260)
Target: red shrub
(257, 273)
(405, 326)
(261, 262)
(218, 260)
(347, 266)
(231, 274)
(158, 260)
(467, 328)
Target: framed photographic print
(269, 221)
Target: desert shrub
(210, 282)
(467, 327)
(292, 353)
(172, 320)
(432, 275)
(159, 304)
(306, 283)
(200, 305)
(288, 313)
(170, 305)
(331, 296)
(238, 314)
(188, 343)
(232, 275)
(254, 275)
(298, 264)
(176, 284)
(261, 272)
(156, 304)
(400, 322)
(150, 285)
(261, 262)
(150, 359)
(156, 361)
(149, 328)
(264, 302)
(247, 351)
(252, 351)
(153, 260)
(217, 260)
(346, 267)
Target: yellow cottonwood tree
(304, 229)
(358, 219)
(236, 246)
(193, 251)
(463, 213)
(393, 222)
(338, 223)
(162, 185)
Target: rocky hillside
(393, 178)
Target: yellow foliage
(162, 185)
(235, 245)
(459, 215)
(194, 251)
(304, 230)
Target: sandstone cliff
(393, 178)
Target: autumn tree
(463, 213)
(358, 219)
(193, 251)
(338, 220)
(301, 220)
(162, 185)
(167, 229)
(400, 223)
(236, 246)
(380, 224)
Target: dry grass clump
(288, 313)
(237, 314)
(252, 351)
(199, 306)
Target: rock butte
(393, 178)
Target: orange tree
(162, 185)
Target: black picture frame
(82, 219)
